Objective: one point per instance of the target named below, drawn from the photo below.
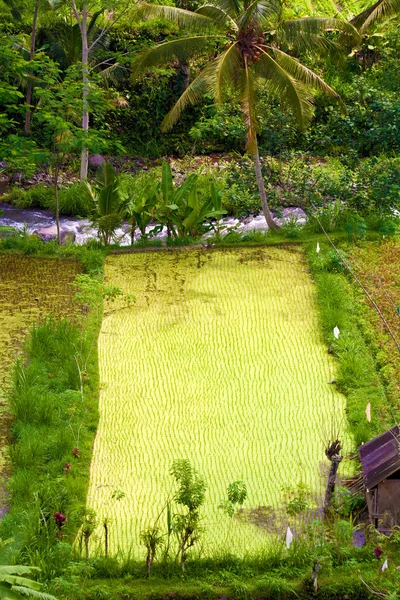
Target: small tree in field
(190, 495)
(59, 118)
(152, 539)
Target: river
(35, 219)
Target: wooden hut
(380, 459)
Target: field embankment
(30, 289)
(219, 361)
(378, 268)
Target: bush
(73, 200)
(37, 196)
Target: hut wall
(388, 503)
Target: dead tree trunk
(332, 452)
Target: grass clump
(73, 199)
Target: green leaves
(377, 12)
(167, 189)
(191, 486)
(185, 19)
(237, 494)
(107, 206)
(181, 49)
(185, 209)
(15, 587)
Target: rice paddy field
(30, 288)
(219, 361)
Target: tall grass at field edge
(54, 412)
(357, 375)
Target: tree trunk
(183, 559)
(183, 79)
(332, 453)
(86, 540)
(28, 98)
(261, 188)
(56, 172)
(85, 80)
(148, 564)
(133, 231)
(105, 539)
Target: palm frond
(205, 81)
(257, 11)
(296, 31)
(377, 12)
(65, 44)
(93, 21)
(305, 75)
(180, 49)
(233, 8)
(217, 14)
(228, 64)
(185, 19)
(293, 92)
(113, 73)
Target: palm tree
(375, 13)
(249, 44)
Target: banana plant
(186, 210)
(107, 205)
(15, 586)
(140, 211)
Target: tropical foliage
(107, 208)
(14, 585)
(257, 45)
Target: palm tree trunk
(248, 104)
(56, 174)
(261, 188)
(85, 79)
(28, 98)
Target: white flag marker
(385, 565)
(318, 248)
(336, 332)
(289, 537)
(368, 412)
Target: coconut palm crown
(246, 42)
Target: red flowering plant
(60, 520)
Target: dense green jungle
(199, 299)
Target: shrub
(73, 200)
